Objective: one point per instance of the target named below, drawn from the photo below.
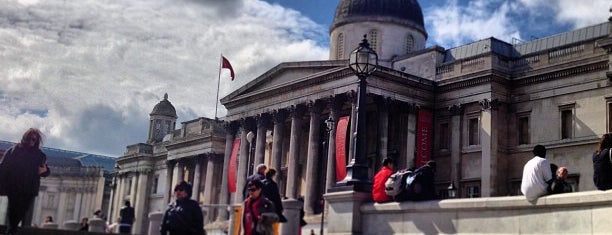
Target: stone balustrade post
(71, 225)
(97, 225)
(155, 219)
(291, 211)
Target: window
(372, 39)
(444, 136)
(340, 46)
(409, 44)
(472, 191)
(523, 130)
(567, 121)
(473, 131)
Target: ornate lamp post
(363, 61)
(329, 126)
(249, 138)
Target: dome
(399, 11)
(164, 108)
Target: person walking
(259, 175)
(127, 216)
(259, 212)
(536, 175)
(20, 170)
(184, 215)
(602, 163)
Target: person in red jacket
(378, 189)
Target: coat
(19, 171)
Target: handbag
(264, 226)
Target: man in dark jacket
(20, 170)
(183, 216)
(127, 217)
(271, 192)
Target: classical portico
(294, 114)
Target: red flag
(226, 65)
(341, 130)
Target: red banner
(231, 175)
(423, 137)
(341, 130)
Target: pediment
(286, 74)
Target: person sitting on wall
(536, 175)
(378, 187)
(558, 184)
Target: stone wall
(579, 213)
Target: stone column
(488, 143)
(330, 179)
(208, 186)
(242, 164)
(383, 127)
(197, 174)
(78, 204)
(456, 111)
(260, 141)
(119, 196)
(180, 172)
(411, 136)
(133, 188)
(312, 162)
(277, 142)
(61, 215)
(169, 183)
(112, 200)
(294, 151)
(224, 194)
(139, 205)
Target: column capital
(411, 108)
(314, 106)
(230, 127)
(455, 109)
(296, 111)
(489, 104)
(279, 116)
(262, 120)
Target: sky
(89, 72)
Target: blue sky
(522, 19)
(89, 72)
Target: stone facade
(491, 103)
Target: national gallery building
(477, 110)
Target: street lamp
(452, 191)
(249, 138)
(363, 61)
(329, 126)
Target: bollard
(97, 225)
(49, 225)
(71, 225)
(155, 219)
(235, 220)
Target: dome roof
(164, 108)
(400, 11)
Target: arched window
(373, 39)
(340, 46)
(409, 43)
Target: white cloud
(88, 72)
(454, 25)
(581, 14)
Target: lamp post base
(356, 179)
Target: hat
(183, 185)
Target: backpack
(395, 184)
(412, 188)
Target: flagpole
(218, 84)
